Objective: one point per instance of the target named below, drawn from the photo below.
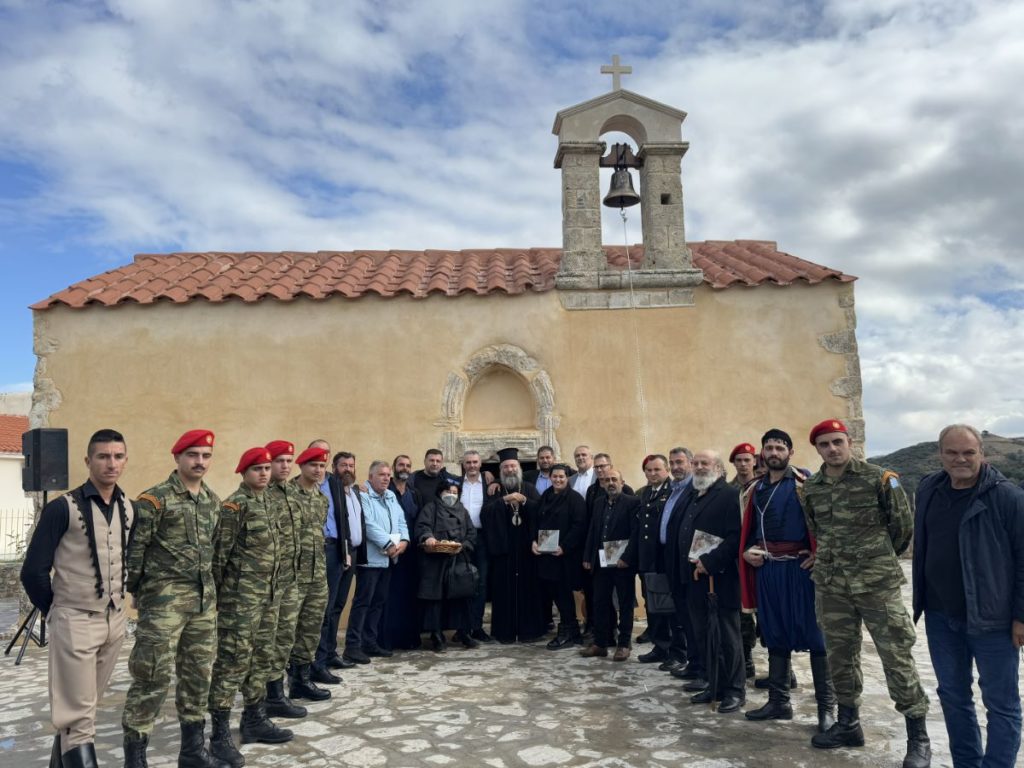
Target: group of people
(244, 594)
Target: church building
(630, 351)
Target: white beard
(702, 482)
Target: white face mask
(449, 498)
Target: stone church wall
(382, 376)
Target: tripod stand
(26, 628)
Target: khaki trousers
(83, 650)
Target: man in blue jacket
(969, 583)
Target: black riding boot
(135, 745)
(846, 732)
(300, 686)
(193, 752)
(279, 705)
(82, 756)
(919, 746)
(222, 746)
(778, 706)
(824, 693)
(256, 726)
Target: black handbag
(659, 594)
(462, 580)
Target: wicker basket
(444, 547)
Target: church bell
(621, 193)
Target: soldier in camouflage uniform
(170, 574)
(861, 518)
(244, 562)
(276, 634)
(312, 573)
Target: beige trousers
(84, 646)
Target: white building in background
(15, 505)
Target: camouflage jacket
(170, 554)
(286, 510)
(245, 551)
(862, 522)
(312, 558)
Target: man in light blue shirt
(387, 537)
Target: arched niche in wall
(473, 419)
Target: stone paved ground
(502, 706)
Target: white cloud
(877, 136)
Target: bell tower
(667, 276)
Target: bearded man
(711, 509)
(506, 522)
(775, 578)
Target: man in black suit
(340, 561)
(651, 561)
(615, 520)
(713, 508)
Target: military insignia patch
(151, 499)
(891, 478)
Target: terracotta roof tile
(11, 429)
(287, 275)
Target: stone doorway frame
(454, 440)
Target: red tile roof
(252, 276)
(11, 429)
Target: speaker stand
(26, 628)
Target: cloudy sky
(881, 137)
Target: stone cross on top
(616, 72)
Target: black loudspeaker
(46, 460)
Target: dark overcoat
(442, 522)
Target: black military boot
(761, 683)
(222, 746)
(778, 706)
(256, 726)
(135, 745)
(919, 746)
(82, 756)
(824, 693)
(193, 752)
(300, 686)
(279, 705)
(846, 732)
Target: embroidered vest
(78, 580)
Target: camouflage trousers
(265, 666)
(237, 626)
(289, 598)
(312, 606)
(840, 615)
(166, 636)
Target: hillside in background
(1004, 453)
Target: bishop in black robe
(516, 608)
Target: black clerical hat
(506, 454)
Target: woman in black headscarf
(447, 575)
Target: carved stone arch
(454, 440)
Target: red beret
(826, 426)
(313, 454)
(647, 458)
(257, 455)
(280, 448)
(742, 448)
(200, 437)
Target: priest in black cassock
(506, 517)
